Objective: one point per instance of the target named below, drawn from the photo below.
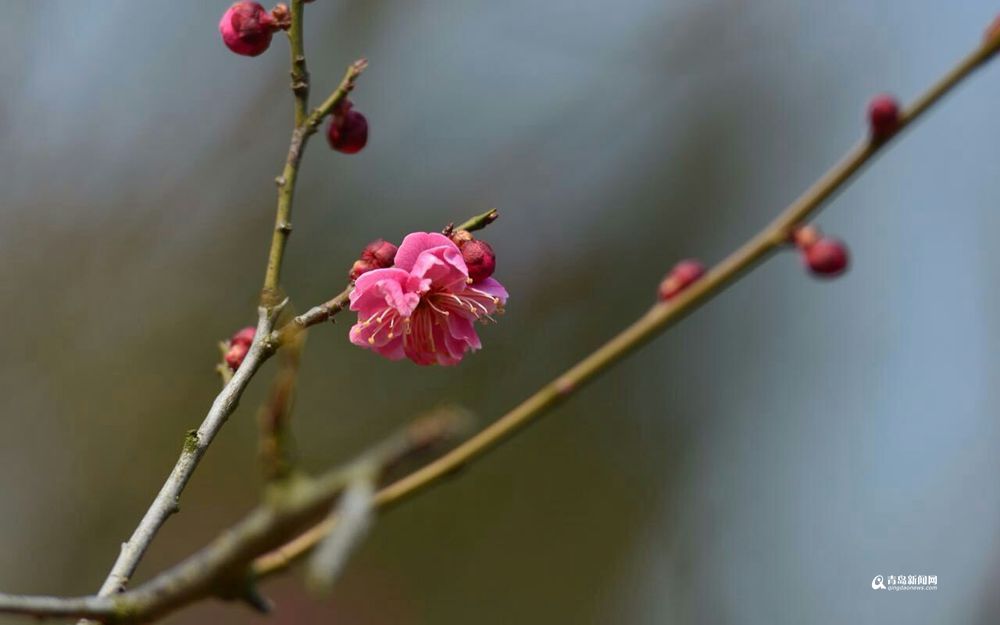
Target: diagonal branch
(197, 442)
(221, 568)
(651, 324)
(195, 445)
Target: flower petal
(415, 244)
(462, 330)
(492, 288)
(443, 266)
(384, 288)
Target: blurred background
(759, 464)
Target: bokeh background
(759, 464)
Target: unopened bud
(237, 352)
(681, 277)
(244, 336)
(883, 117)
(348, 131)
(478, 255)
(378, 254)
(246, 28)
(827, 257)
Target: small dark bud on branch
(348, 130)
(883, 117)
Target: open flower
(424, 307)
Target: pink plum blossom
(423, 308)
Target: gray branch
(223, 568)
(195, 445)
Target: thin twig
(221, 568)
(313, 316)
(475, 223)
(195, 444)
(655, 321)
(305, 126)
(275, 414)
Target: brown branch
(221, 568)
(647, 327)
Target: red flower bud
(247, 28)
(883, 117)
(348, 131)
(244, 336)
(826, 257)
(378, 254)
(681, 277)
(237, 352)
(479, 258)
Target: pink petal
(415, 244)
(380, 288)
(450, 351)
(493, 288)
(393, 350)
(443, 266)
(463, 330)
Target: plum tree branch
(196, 443)
(221, 568)
(305, 126)
(260, 545)
(651, 324)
